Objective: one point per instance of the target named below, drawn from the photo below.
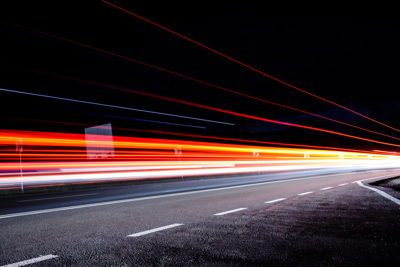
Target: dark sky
(348, 58)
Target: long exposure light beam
(156, 160)
(113, 106)
(251, 141)
(237, 114)
(103, 51)
(247, 66)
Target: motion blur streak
(247, 66)
(111, 106)
(255, 141)
(60, 158)
(200, 81)
(188, 103)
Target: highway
(285, 218)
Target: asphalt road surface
(295, 218)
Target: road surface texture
(309, 220)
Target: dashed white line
(98, 204)
(305, 193)
(386, 195)
(31, 261)
(343, 184)
(155, 230)
(275, 200)
(326, 188)
(229, 211)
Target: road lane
(77, 235)
(96, 195)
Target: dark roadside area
(393, 183)
(390, 186)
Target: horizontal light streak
(152, 174)
(131, 165)
(45, 164)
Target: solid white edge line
(275, 200)
(229, 211)
(155, 230)
(386, 176)
(48, 198)
(305, 193)
(12, 215)
(343, 184)
(326, 188)
(386, 195)
(31, 261)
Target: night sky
(351, 59)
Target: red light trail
(247, 66)
(200, 81)
(188, 103)
(191, 135)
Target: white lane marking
(229, 211)
(275, 200)
(12, 215)
(386, 195)
(31, 261)
(39, 199)
(305, 193)
(155, 230)
(386, 176)
(326, 188)
(343, 184)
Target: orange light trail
(138, 158)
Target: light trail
(188, 103)
(251, 141)
(112, 106)
(197, 136)
(155, 159)
(103, 51)
(247, 66)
